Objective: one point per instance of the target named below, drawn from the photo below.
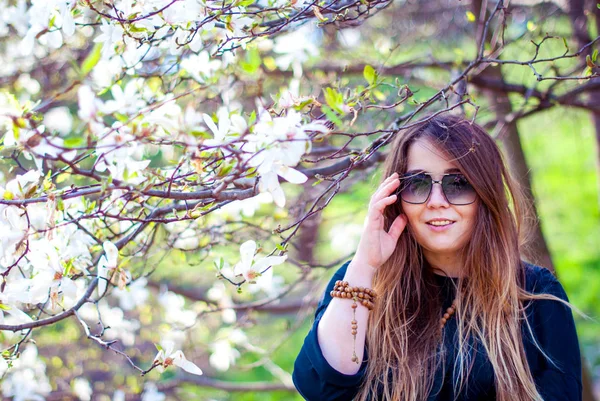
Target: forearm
(335, 328)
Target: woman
(455, 313)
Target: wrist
(360, 273)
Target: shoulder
(539, 279)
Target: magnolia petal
(224, 122)
(167, 346)
(247, 250)
(210, 123)
(268, 261)
(278, 196)
(112, 254)
(190, 367)
(160, 356)
(102, 275)
(18, 314)
(291, 175)
(238, 123)
(68, 287)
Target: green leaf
(252, 118)
(331, 115)
(92, 59)
(73, 142)
(595, 55)
(245, 3)
(531, 26)
(334, 99)
(589, 62)
(252, 62)
(370, 74)
(470, 16)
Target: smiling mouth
(440, 223)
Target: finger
(398, 226)
(385, 190)
(380, 205)
(391, 178)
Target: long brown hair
(403, 346)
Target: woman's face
(439, 244)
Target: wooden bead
(354, 322)
(354, 306)
(450, 310)
(443, 321)
(446, 316)
(353, 332)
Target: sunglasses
(416, 188)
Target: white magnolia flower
(278, 144)
(175, 312)
(184, 12)
(134, 295)
(297, 46)
(166, 357)
(88, 104)
(115, 321)
(223, 355)
(27, 379)
(251, 270)
(151, 393)
(49, 278)
(18, 187)
(116, 150)
(82, 388)
(111, 34)
(227, 125)
(224, 352)
(128, 101)
(59, 119)
(18, 316)
(200, 66)
(107, 262)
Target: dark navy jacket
(552, 324)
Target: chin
(441, 246)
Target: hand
(376, 245)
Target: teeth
(439, 222)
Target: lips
(440, 222)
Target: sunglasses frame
(433, 182)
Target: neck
(444, 264)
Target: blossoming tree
(140, 136)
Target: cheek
(412, 212)
(469, 217)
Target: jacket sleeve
(560, 377)
(313, 377)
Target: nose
(437, 197)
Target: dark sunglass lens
(457, 189)
(415, 188)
